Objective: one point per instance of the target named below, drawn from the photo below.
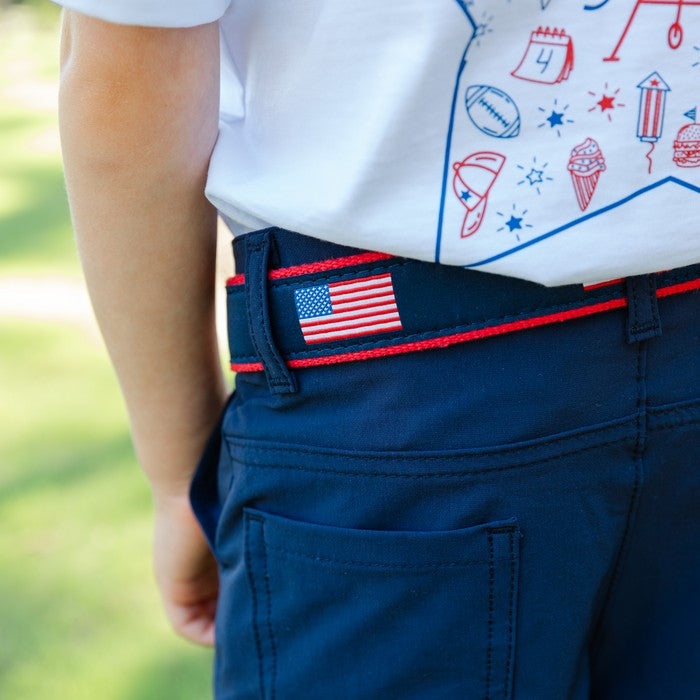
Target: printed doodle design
(686, 146)
(492, 111)
(544, 154)
(652, 110)
(675, 30)
(586, 163)
(548, 58)
(473, 180)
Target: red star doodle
(608, 101)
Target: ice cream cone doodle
(473, 180)
(586, 163)
(550, 147)
(652, 109)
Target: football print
(492, 111)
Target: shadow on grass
(55, 467)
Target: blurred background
(79, 612)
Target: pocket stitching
(268, 612)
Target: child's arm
(139, 113)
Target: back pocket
(350, 613)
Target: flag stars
(466, 195)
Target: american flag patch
(347, 309)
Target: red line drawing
(652, 109)
(548, 58)
(473, 180)
(586, 163)
(686, 147)
(675, 31)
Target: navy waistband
(325, 303)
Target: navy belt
(320, 303)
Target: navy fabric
(433, 300)
(512, 517)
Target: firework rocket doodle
(546, 114)
(652, 110)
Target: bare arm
(138, 116)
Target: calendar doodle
(548, 58)
(549, 150)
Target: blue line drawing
(557, 118)
(514, 223)
(448, 147)
(536, 175)
(492, 111)
(596, 7)
(586, 217)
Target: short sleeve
(151, 13)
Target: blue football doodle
(492, 111)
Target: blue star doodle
(514, 221)
(556, 119)
(536, 175)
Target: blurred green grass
(79, 612)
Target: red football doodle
(473, 180)
(675, 31)
(586, 163)
(548, 58)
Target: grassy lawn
(79, 612)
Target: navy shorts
(432, 482)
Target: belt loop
(642, 308)
(279, 378)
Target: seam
(378, 564)
(511, 610)
(431, 475)
(268, 598)
(675, 424)
(316, 276)
(442, 330)
(636, 488)
(584, 433)
(256, 631)
(312, 277)
(272, 355)
(489, 645)
(676, 407)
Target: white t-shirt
(551, 140)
